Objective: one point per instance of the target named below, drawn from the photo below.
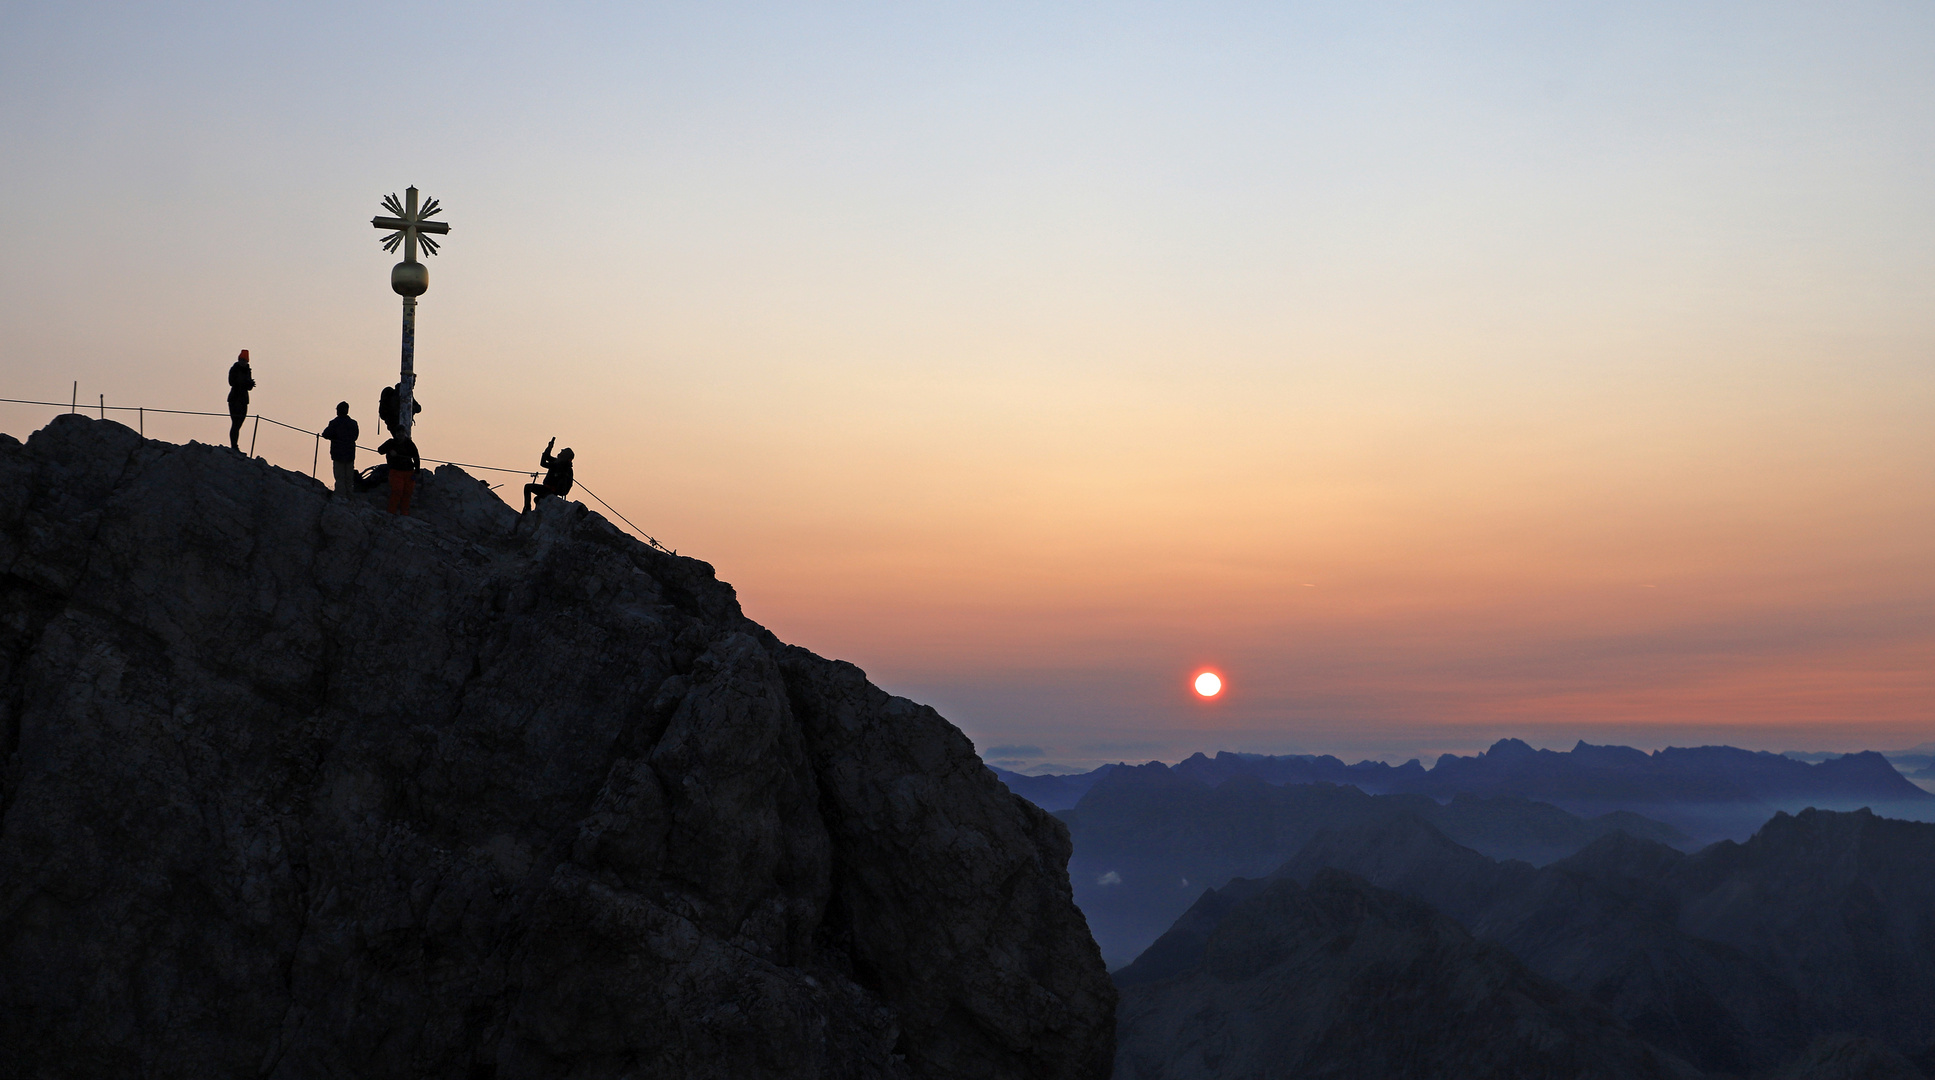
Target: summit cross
(409, 223)
(410, 279)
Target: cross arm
(439, 227)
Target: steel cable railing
(141, 427)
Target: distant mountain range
(1149, 839)
(1910, 762)
(1710, 792)
(1702, 774)
(1809, 951)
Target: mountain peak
(459, 793)
(1510, 749)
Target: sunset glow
(1208, 684)
(1474, 371)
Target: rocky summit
(297, 788)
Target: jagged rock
(1342, 979)
(297, 788)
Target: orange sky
(1438, 373)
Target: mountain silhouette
(1052, 792)
(1708, 792)
(1712, 784)
(1735, 958)
(294, 787)
(1274, 979)
(1149, 839)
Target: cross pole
(410, 279)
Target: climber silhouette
(342, 433)
(557, 481)
(386, 407)
(240, 381)
(404, 462)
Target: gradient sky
(1437, 372)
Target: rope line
(260, 419)
(626, 520)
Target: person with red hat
(240, 381)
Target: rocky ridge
(1272, 979)
(1733, 958)
(296, 788)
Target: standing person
(240, 381)
(401, 454)
(557, 481)
(341, 433)
(389, 403)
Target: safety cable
(104, 407)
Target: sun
(1209, 684)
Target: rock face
(296, 788)
(1272, 979)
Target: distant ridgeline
(1150, 838)
(1585, 778)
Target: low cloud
(1013, 752)
(1110, 878)
(1124, 749)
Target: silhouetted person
(341, 433)
(240, 381)
(401, 454)
(386, 407)
(557, 481)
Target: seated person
(557, 481)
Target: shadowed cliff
(296, 788)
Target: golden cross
(409, 223)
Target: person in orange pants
(401, 453)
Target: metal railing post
(253, 432)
